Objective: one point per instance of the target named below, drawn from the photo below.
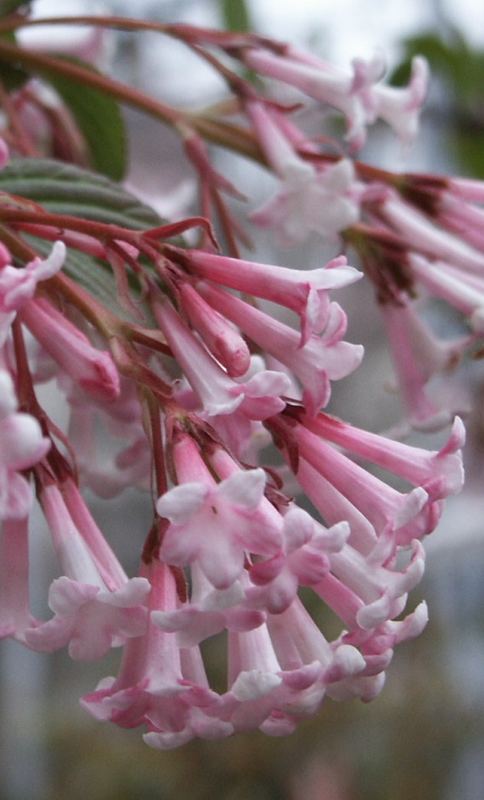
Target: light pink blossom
(209, 611)
(258, 397)
(88, 616)
(321, 359)
(419, 356)
(15, 616)
(221, 338)
(440, 473)
(302, 561)
(17, 285)
(303, 291)
(21, 446)
(309, 199)
(427, 238)
(92, 369)
(355, 92)
(214, 524)
(160, 685)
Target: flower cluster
(180, 384)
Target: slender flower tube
(88, 616)
(258, 397)
(92, 369)
(303, 291)
(21, 446)
(442, 282)
(440, 473)
(353, 92)
(380, 503)
(15, 616)
(427, 238)
(418, 356)
(321, 359)
(221, 338)
(309, 199)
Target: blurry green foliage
(11, 75)
(8, 6)
(460, 67)
(235, 15)
(99, 119)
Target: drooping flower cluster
(180, 385)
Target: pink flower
(355, 92)
(214, 525)
(92, 369)
(319, 360)
(466, 293)
(302, 561)
(19, 285)
(221, 338)
(400, 107)
(303, 291)
(21, 446)
(259, 688)
(4, 153)
(209, 611)
(121, 457)
(418, 357)
(160, 685)
(309, 199)
(89, 617)
(379, 503)
(440, 473)
(258, 397)
(15, 615)
(298, 641)
(428, 239)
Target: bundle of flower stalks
(172, 352)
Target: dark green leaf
(100, 120)
(90, 273)
(66, 189)
(469, 148)
(235, 15)
(12, 77)
(7, 6)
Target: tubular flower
(321, 200)
(356, 93)
(180, 379)
(304, 292)
(247, 557)
(90, 614)
(21, 446)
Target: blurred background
(423, 737)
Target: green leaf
(90, 273)
(11, 77)
(235, 15)
(468, 146)
(99, 119)
(65, 189)
(8, 6)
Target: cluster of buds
(192, 383)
